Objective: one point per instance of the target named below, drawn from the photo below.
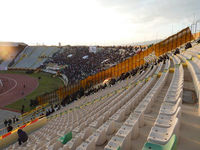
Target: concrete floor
(189, 138)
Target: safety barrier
(129, 64)
(105, 96)
(12, 136)
(22, 119)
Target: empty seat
(97, 123)
(117, 142)
(74, 142)
(161, 135)
(139, 116)
(99, 137)
(125, 132)
(86, 133)
(133, 122)
(56, 146)
(119, 115)
(109, 126)
(166, 121)
(87, 146)
(80, 127)
(170, 108)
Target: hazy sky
(91, 22)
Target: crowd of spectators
(79, 62)
(8, 123)
(53, 109)
(92, 89)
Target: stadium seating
(112, 119)
(92, 117)
(161, 133)
(32, 56)
(193, 66)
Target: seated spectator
(22, 136)
(177, 51)
(198, 41)
(16, 119)
(188, 45)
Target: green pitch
(46, 84)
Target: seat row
(193, 64)
(116, 113)
(168, 119)
(147, 102)
(130, 128)
(78, 120)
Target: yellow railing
(129, 64)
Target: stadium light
(198, 21)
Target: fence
(129, 64)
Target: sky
(94, 22)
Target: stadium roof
(11, 43)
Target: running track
(14, 87)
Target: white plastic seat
(166, 121)
(56, 146)
(145, 105)
(161, 135)
(114, 143)
(118, 116)
(134, 123)
(74, 143)
(97, 123)
(99, 137)
(125, 132)
(79, 128)
(106, 115)
(117, 142)
(139, 116)
(127, 108)
(87, 146)
(86, 133)
(109, 126)
(169, 108)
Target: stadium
(122, 97)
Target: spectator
(22, 110)
(9, 128)
(22, 136)
(10, 121)
(188, 45)
(14, 119)
(198, 41)
(5, 123)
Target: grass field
(46, 84)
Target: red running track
(13, 87)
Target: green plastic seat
(171, 145)
(66, 138)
